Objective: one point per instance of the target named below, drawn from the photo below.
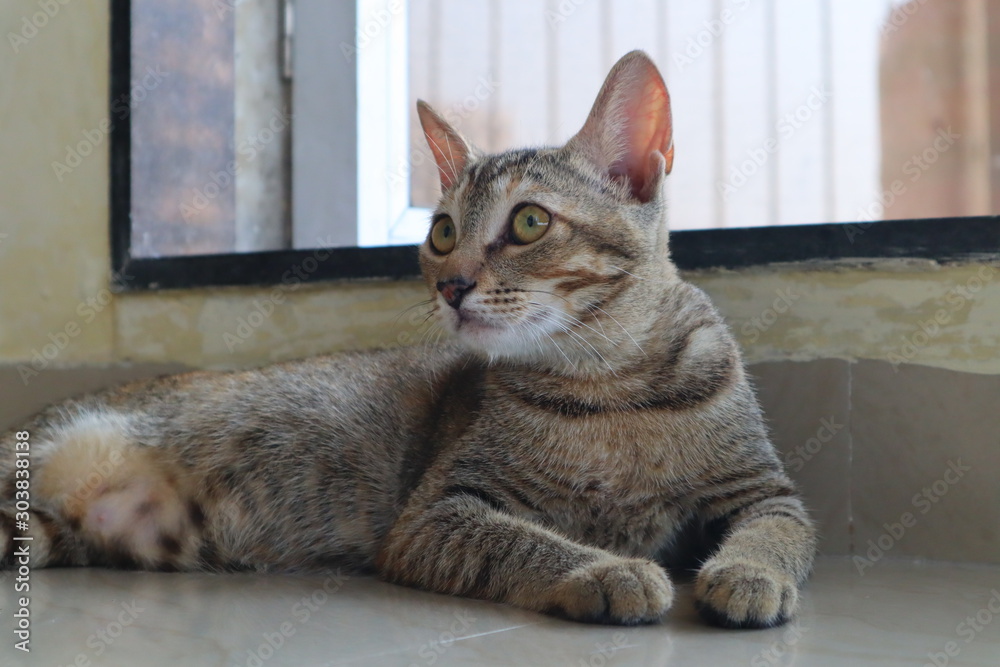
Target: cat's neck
(615, 341)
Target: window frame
(953, 239)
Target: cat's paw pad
(739, 594)
(620, 591)
(145, 520)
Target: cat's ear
(450, 150)
(629, 132)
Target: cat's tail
(81, 490)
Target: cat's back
(387, 396)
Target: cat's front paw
(619, 591)
(740, 594)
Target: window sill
(946, 240)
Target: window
(210, 126)
(254, 134)
(785, 112)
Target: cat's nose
(454, 290)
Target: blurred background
(785, 111)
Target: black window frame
(946, 240)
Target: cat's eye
(529, 224)
(443, 235)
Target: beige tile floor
(897, 613)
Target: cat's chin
(491, 340)
(486, 338)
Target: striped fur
(590, 424)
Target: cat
(590, 424)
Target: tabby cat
(592, 425)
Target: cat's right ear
(450, 150)
(629, 132)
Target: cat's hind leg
(98, 497)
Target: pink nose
(454, 290)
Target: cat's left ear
(629, 132)
(451, 151)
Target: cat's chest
(606, 460)
(594, 474)
(610, 502)
(627, 500)
(598, 473)
(614, 481)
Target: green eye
(530, 224)
(443, 235)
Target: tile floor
(896, 613)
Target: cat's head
(532, 252)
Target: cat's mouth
(480, 331)
(496, 335)
(471, 322)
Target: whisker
(426, 302)
(427, 330)
(434, 337)
(578, 339)
(538, 343)
(623, 329)
(610, 316)
(618, 268)
(573, 320)
(570, 303)
(560, 350)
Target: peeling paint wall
(220, 328)
(947, 317)
(906, 312)
(57, 310)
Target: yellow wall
(54, 260)
(54, 254)
(903, 312)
